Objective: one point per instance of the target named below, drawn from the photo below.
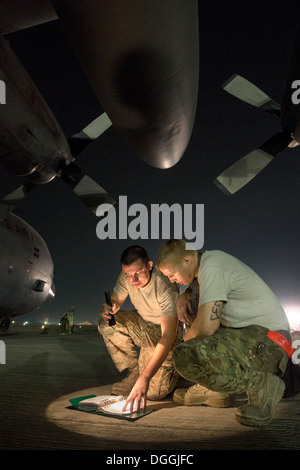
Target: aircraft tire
(4, 324)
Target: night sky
(260, 224)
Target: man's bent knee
(101, 326)
(185, 362)
(154, 396)
(178, 357)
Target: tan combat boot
(124, 387)
(199, 395)
(263, 398)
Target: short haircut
(133, 253)
(173, 251)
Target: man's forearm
(207, 321)
(160, 353)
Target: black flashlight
(112, 320)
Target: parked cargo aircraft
(141, 58)
(26, 270)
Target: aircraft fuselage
(26, 270)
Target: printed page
(96, 403)
(116, 408)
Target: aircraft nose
(142, 61)
(154, 105)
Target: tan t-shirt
(158, 298)
(248, 299)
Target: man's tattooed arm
(216, 311)
(207, 321)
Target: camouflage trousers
(131, 343)
(229, 360)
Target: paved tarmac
(43, 371)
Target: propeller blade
(251, 94)
(243, 171)
(97, 127)
(91, 132)
(249, 166)
(9, 202)
(92, 194)
(88, 190)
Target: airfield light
(293, 314)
